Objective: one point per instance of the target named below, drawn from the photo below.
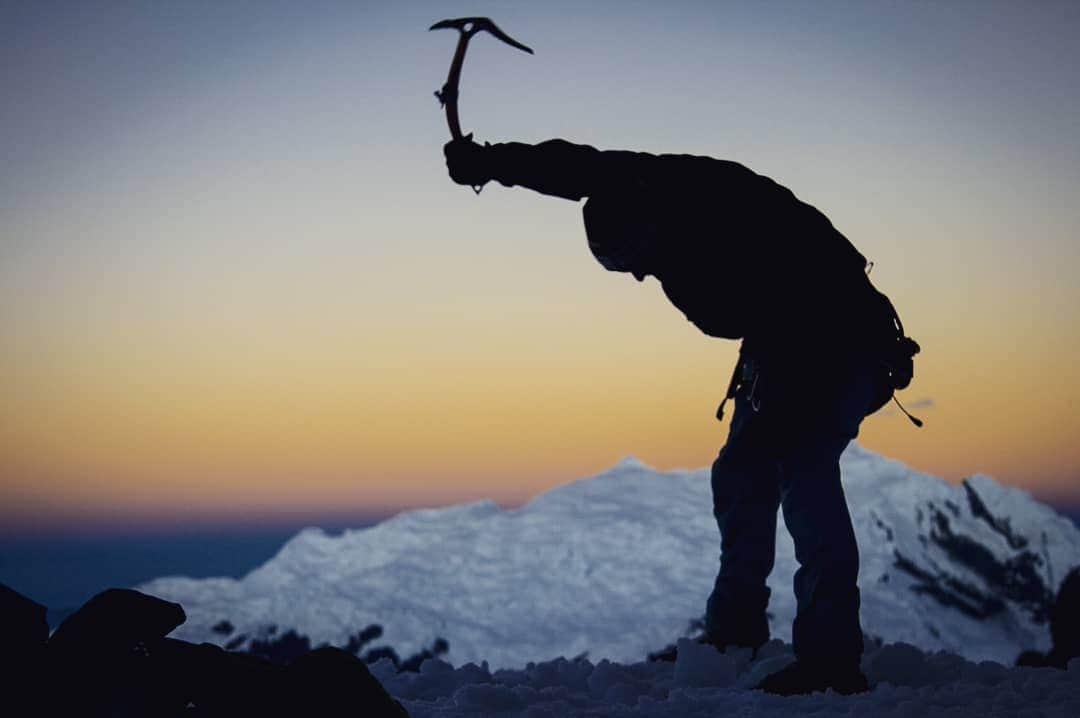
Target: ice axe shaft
(467, 26)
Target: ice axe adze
(467, 26)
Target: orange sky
(246, 286)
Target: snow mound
(620, 564)
(904, 682)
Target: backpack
(895, 353)
(889, 348)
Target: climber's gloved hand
(468, 162)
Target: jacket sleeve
(563, 169)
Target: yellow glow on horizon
(453, 404)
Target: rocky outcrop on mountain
(974, 567)
(112, 658)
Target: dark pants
(786, 454)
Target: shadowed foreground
(111, 658)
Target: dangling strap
(914, 419)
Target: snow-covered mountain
(620, 564)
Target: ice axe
(467, 26)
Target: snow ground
(905, 682)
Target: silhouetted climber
(741, 257)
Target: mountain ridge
(618, 564)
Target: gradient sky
(235, 280)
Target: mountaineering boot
(799, 678)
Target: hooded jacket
(736, 252)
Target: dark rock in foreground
(22, 623)
(23, 633)
(114, 621)
(112, 658)
(1064, 627)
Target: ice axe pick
(467, 26)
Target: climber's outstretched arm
(555, 167)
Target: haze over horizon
(235, 280)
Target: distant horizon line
(332, 522)
(225, 522)
(58, 524)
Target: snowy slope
(619, 565)
(705, 683)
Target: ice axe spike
(467, 26)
